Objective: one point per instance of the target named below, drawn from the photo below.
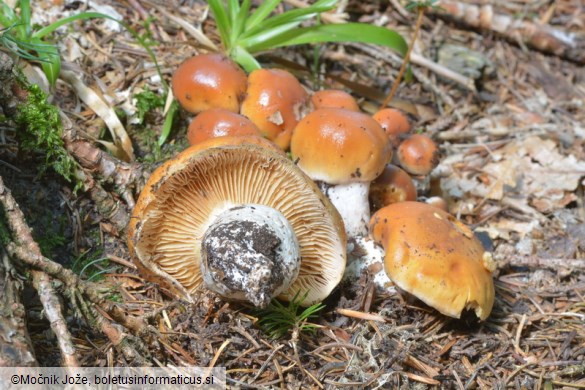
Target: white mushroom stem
(366, 256)
(351, 200)
(250, 252)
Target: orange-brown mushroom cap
(392, 186)
(418, 154)
(339, 146)
(394, 123)
(183, 196)
(209, 81)
(334, 98)
(218, 122)
(435, 257)
(275, 102)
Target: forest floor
(512, 166)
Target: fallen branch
(541, 37)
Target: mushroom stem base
(250, 253)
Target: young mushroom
(394, 123)
(346, 150)
(392, 186)
(334, 98)
(209, 81)
(219, 122)
(241, 220)
(275, 102)
(418, 154)
(436, 258)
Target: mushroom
(418, 154)
(435, 257)
(394, 123)
(209, 81)
(392, 186)
(346, 150)
(334, 98)
(241, 220)
(275, 102)
(219, 122)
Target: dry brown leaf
(122, 142)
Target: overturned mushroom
(433, 256)
(240, 219)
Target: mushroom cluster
(235, 214)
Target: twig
(554, 264)
(419, 20)
(361, 315)
(391, 58)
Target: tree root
(26, 250)
(15, 345)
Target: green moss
(147, 101)
(40, 131)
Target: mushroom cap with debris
(185, 195)
(433, 256)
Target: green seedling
(245, 32)
(277, 319)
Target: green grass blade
(348, 32)
(261, 13)
(50, 59)
(245, 59)
(296, 15)
(7, 16)
(25, 13)
(168, 123)
(97, 15)
(221, 20)
(43, 32)
(241, 17)
(269, 35)
(233, 8)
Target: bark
(15, 345)
(542, 37)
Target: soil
(512, 167)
